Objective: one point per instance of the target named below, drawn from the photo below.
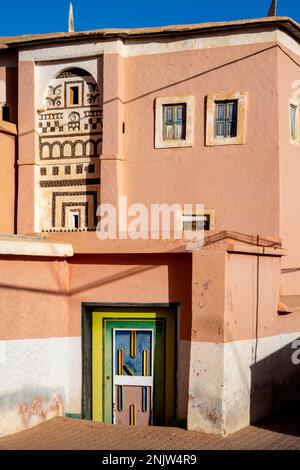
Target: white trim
(134, 380)
(137, 47)
(35, 248)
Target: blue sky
(40, 16)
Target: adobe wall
(288, 88)
(40, 324)
(7, 176)
(134, 75)
(240, 182)
(243, 372)
(34, 343)
(234, 350)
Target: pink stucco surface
(249, 186)
(33, 298)
(239, 181)
(7, 179)
(288, 74)
(26, 156)
(43, 298)
(228, 292)
(133, 279)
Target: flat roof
(282, 22)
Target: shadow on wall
(180, 292)
(275, 385)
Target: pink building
(151, 330)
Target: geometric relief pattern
(60, 200)
(68, 182)
(70, 131)
(74, 205)
(55, 149)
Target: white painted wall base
(234, 384)
(40, 378)
(230, 385)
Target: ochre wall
(239, 181)
(27, 191)
(33, 300)
(42, 298)
(241, 367)
(235, 298)
(288, 74)
(130, 278)
(41, 304)
(7, 177)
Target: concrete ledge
(235, 242)
(288, 304)
(88, 242)
(8, 128)
(15, 245)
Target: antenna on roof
(273, 8)
(71, 19)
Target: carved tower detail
(70, 140)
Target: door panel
(158, 328)
(133, 405)
(135, 347)
(133, 363)
(133, 352)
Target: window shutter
(293, 110)
(221, 116)
(226, 119)
(231, 119)
(174, 122)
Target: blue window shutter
(174, 122)
(226, 119)
(293, 111)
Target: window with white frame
(293, 111)
(192, 222)
(226, 115)
(174, 122)
(226, 119)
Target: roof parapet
(285, 23)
